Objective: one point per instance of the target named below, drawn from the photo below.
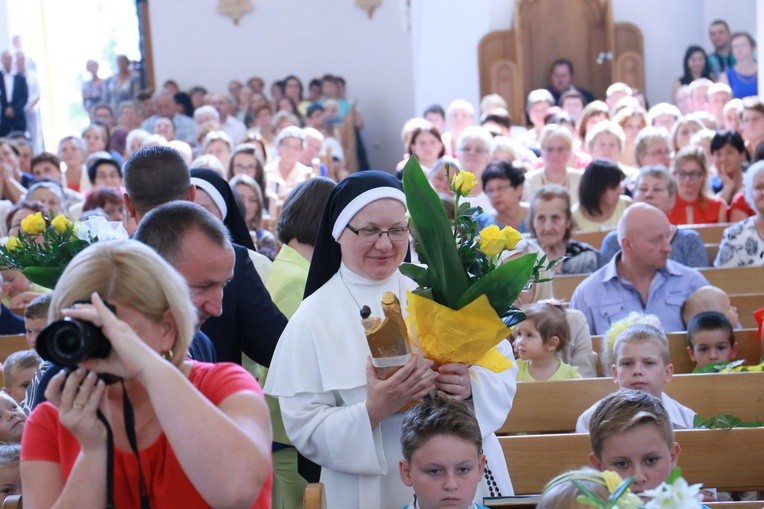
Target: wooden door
(514, 62)
(580, 31)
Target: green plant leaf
(429, 220)
(675, 474)
(417, 273)
(502, 285)
(621, 489)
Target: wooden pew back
(749, 347)
(726, 459)
(709, 233)
(554, 407)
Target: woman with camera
(174, 432)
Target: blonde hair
(132, 274)
(555, 132)
(642, 333)
(561, 493)
(606, 127)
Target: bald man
(640, 277)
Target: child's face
(21, 380)
(444, 472)
(12, 419)
(33, 328)
(640, 366)
(709, 346)
(10, 481)
(529, 345)
(640, 451)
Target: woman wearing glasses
(336, 409)
(556, 145)
(694, 203)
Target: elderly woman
(472, 150)
(556, 146)
(286, 170)
(186, 415)
(601, 201)
(438, 178)
(743, 243)
(219, 144)
(551, 225)
(682, 132)
(460, 116)
(694, 205)
(536, 107)
(338, 412)
(49, 193)
(656, 187)
(503, 183)
(652, 147)
(594, 113)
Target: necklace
(364, 310)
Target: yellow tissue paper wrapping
(469, 335)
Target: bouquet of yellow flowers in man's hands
(463, 305)
(44, 247)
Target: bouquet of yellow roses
(463, 306)
(45, 246)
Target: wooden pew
(749, 347)
(594, 238)
(737, 280)
(554, 407)
(726, 459)
(711, 251)
(12, 343)
(746, 304)
(709, 233)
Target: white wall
(305, 37)
(446, 35)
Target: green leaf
(432, 230)
(417, 273)
(502, 285)
(588, 496)
(675, 474)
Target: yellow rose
(12, 243)
(612, 480)
(511, 237)
(61, 223)
(463, 182)
(33, 223)
(492, 242)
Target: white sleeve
(336, 437)
(492, 393)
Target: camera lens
(69, 341)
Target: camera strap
(129, 416)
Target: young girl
(10, 475)
(544, 332)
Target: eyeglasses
(555, 149)
(497, 189)
(472, 150)
(691, 175)
(372, 233)
(245, 167)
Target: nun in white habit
(336, 411)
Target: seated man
(561, 80)
(640, 278)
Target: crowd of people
(252, 243)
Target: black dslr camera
(69, 341)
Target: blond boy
(641, 362)
(18, 370)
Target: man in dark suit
(234, 308)
(13, 97)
